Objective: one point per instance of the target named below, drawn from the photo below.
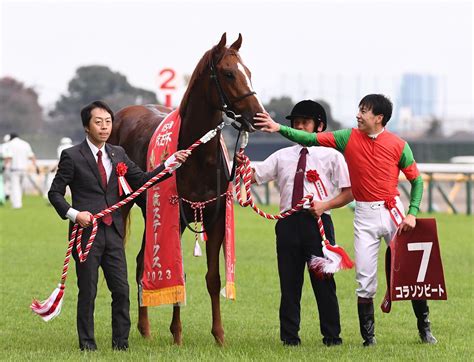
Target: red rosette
(390, 203)
(121, 169)
(312, 175)
(124, 187)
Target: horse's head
(233, 91)
(222, 82)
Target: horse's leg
(143, 322)
(175, 327)
(215, 237)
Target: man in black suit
(89, 170)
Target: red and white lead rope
(51, 307)
(244, 172)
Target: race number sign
(166, 83)
(413, 265)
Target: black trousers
(107, 252)
(297, 239)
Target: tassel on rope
(203, 234)
(335, 257)
(197, 249)
(346, 261)
(51, 307)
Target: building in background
(417, 104)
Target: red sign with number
(416, 268)
(166, 79)
(413, 266)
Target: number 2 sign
(166, 83)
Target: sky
(336, 50)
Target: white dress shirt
(107, 162)
(281, 166)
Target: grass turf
(33, 243)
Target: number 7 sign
(413, 266)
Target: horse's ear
(237, 43)
(222, 42)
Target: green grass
(33, 243)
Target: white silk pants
(17, 178)
(372, 222)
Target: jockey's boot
(420, 307)
(365, 307)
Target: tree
(90, 83)
(19, 108)
(435, 129)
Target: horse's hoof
(219, 337)
(219, 341)
(177, 339)
(144, 331)
(177, 334)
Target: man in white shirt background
(18, 154)
(4, 175)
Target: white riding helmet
(65, 141)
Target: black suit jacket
(78, 169)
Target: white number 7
(426, 247)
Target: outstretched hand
(266, 123)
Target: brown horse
(220, 83)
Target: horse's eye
(229, 75)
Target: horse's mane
(203, 66)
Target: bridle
(226, 105)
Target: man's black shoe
(330, 341)
(292, 343)
(88, 347)
(120, 347)
(369, 342)
(427, 337)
